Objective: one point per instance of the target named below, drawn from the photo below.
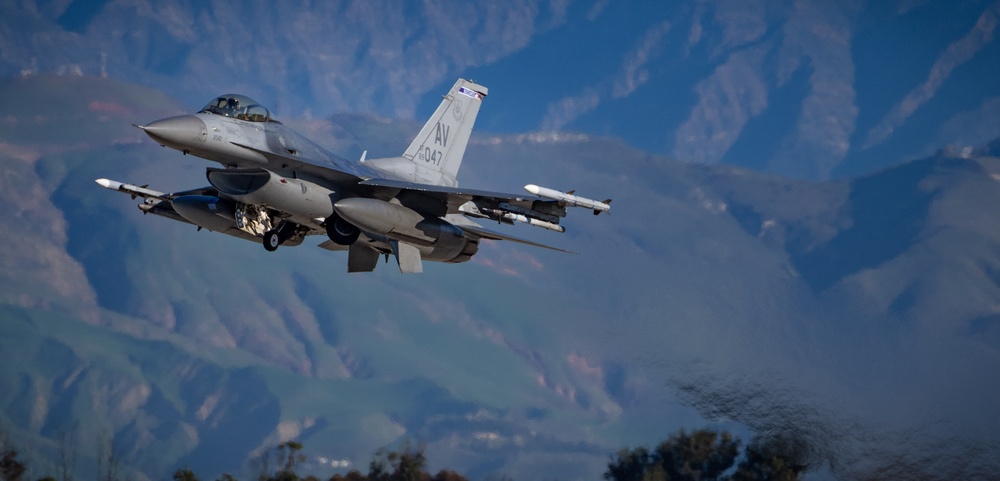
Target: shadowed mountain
(857, 315)
(887, 212)
(807, 89)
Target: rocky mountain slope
(856, 316)
(806, 89)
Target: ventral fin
(408, 257)
(361, 258)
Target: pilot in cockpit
(232, 106)
(238, 107)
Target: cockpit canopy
(239, 107)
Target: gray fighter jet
(278, 187)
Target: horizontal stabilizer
(481, 233)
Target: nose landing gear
(276, 237)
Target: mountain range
(805, 89)
(856, 316)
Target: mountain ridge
(688, 306)
(806, 89)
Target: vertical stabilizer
(440, 145)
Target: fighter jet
(277, 187)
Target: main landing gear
(341, 232)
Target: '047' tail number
(431, 156)
(434, 156)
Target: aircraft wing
(443, 192)
(451, 199)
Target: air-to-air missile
(569, 199)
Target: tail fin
(440, 145)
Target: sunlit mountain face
(801, 242)
(810, 90)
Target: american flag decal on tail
(470, 93)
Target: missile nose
(182, 132)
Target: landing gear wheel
(272, 240)
(275, 237)
(342, 232)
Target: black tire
(341, 232)
(272, 240)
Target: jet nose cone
(185, 131)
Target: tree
(288, 454)
(703, 455)
(407, 465)
(10, 468)
(395, 466)
(67, 451)
(448, 475)
(631, 465)
(184, 474)
(770, 461)
(108, 458)
(353, 475)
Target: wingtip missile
(569, 198)
(108, 184)
(133, 190)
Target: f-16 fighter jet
(277, 187)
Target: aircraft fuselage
(234, 142)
